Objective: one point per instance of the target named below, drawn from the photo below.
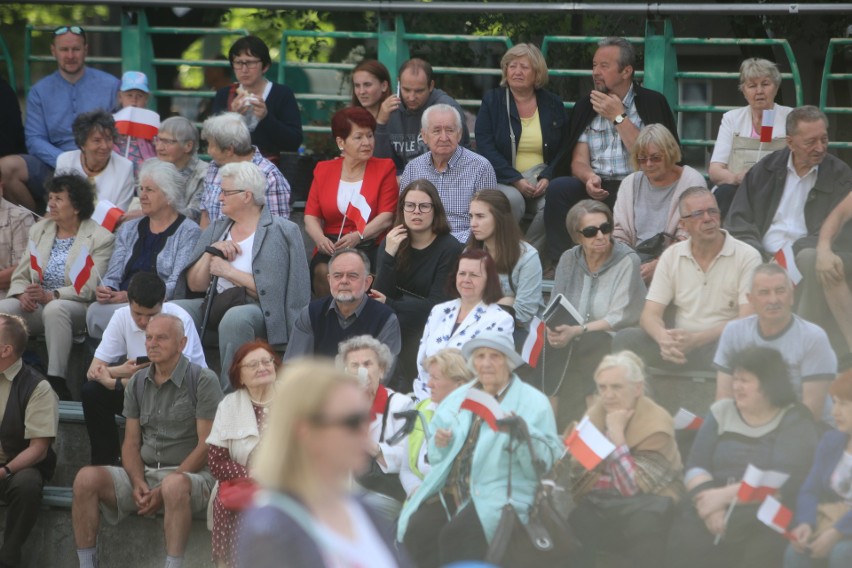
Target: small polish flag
(776, 516)
(758, 484)
(786, 258)
(588, 445)
(359, 211)
(107, 215)
(483, 405)
(35, 260)
(766, 125)
(81, 269)
(685, 420)
(534, 343)
(137, 122)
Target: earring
(340, 148)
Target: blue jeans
(840, 557)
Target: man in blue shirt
(52, 105)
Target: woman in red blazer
(338, 183)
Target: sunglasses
(590, 232)
(62, 30)
(353, 422)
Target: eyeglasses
(230, 192)
(653, 159)
(589, 232)
(410, 207)
(712, 212)
(62, 30)
(253, 365)
(166, 141)
(353, 422)
(245, 64)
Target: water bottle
(248, 112)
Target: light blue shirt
(609, 156)
(54, 103)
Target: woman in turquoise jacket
(455, 512)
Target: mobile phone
(142, 360)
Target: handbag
(376, 480)
(652, 247)
(222, 302)
(237, 494)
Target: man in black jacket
(602, 129)
(29, 419)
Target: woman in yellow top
(520, 129)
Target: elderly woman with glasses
(369, 359)
(269, 109)
(738, 145)
(257, 261)
(646, 205)
(307, 515)
(160, 242)
(625, 504)
(239, 424)
(177, 143)
(600, 278)
(454, 514)
(110, 174)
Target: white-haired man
(456, 172)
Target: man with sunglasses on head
(702, 282)
(52, 105)
(169, 407)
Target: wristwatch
(585, 328)
(8, 471)
(620, 118)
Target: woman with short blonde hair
(319, 427)
(520, 128)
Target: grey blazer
(280, 269)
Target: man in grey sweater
(398, 132)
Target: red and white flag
(137, 122)
(776, 516)
(36, 262)
(81, 269)
(766, 125)
(107, 214)
(787, 259)
(359, 211)
(483, 405)
(685, 420)
(757, 484)
(534, 343)
(588, 445)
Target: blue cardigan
(492, 131)
(817, 487)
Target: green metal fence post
(660, 60)
(393, 50)
(137, 48)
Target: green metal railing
(827, 76)
(393, 46)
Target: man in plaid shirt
(456, 172)
(229, 140)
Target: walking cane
(211, 293)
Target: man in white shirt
(124, 338)
(785, 198)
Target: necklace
(92, 172)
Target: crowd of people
(318, 408)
